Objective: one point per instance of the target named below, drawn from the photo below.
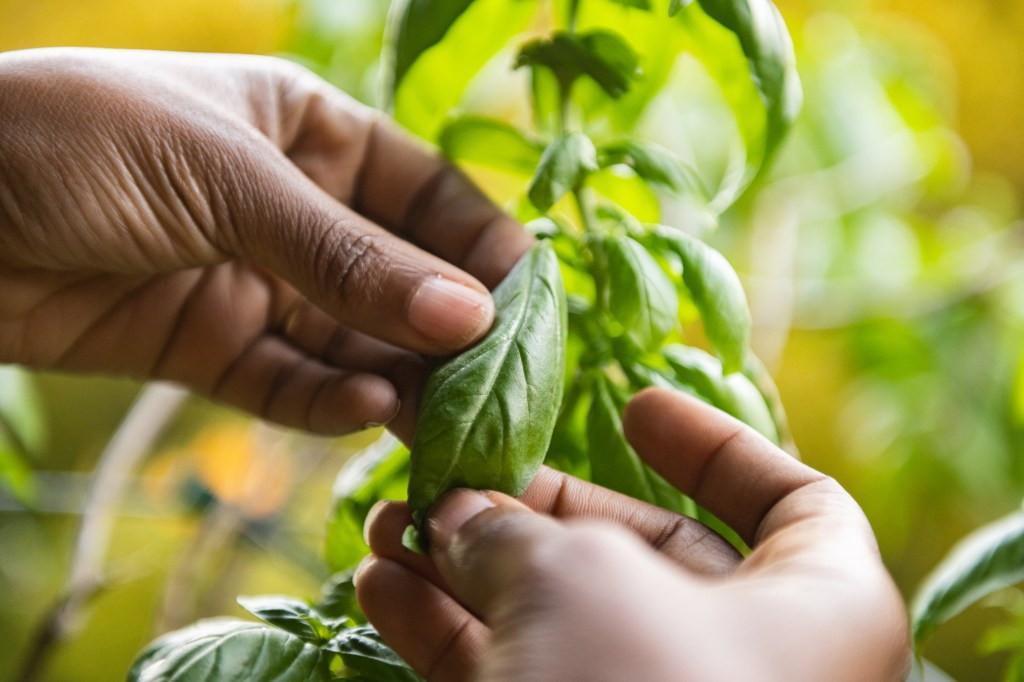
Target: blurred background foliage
(883, 256)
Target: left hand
(235, 224)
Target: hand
(597, 586)
(235, 224)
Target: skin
(575, 582)
(237, 225)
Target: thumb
(363, 275)
(497, 556)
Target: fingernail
(449, 313)
(452, 512)
(371, 516)
(363, 565)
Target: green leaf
(379, 472)
(613, 462)
(601, 55)
(364, 652)
(230, 649)
(639, 293)
(419, 27)
(292, 615)
(487, 414)
(989, 559)
(490, 143)
(338, 598)
(734, 393)
(717, 293)
(765, 41)
(655, 164)
(436, 81)
(21, 431)
(564, 166)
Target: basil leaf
(655, 164)
(291, 615)
(490, 143)
(765, 41)
(364, 652)
(613, 462)
(466, 36)
(564, 166)
(379, 472)
(486, 415)
(639, 293)
(21, 431)
(230, 649)
(419, 27)
(989, 559)
(601, 55)
(734, 393)
(717, 293)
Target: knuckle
(354, 263)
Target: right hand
(579, 583)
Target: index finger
(740, 476)
(423, 198)
(361, 158)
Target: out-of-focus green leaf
(989, 559)
(733, 393)
(292, 615)
(364, 652)
(640, 294)
(230, 649)
(21, 431)
(381, 472)
(717, 293)
(1018, 393)
(628, 191)
(765, 41)
(601, 55)
(490, 143)
(613, 462)
(565, 164)
(420, 26)
(436, 81)
(655, 164)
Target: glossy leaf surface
(230, 649)
(640, 294)
(718, 294)
(365, 653)
(487, 414)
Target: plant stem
(149, 416)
